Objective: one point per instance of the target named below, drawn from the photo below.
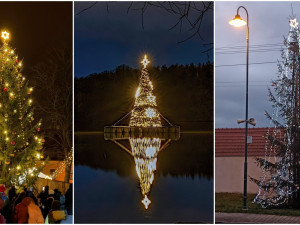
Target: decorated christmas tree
(20, 142)
(279, 183)
(144, 113)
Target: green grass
(233, 203)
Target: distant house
(58, 182)
(230, 157)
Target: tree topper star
(146, 202)
(5, 35)
(293, 23)
(145, 61)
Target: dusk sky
(36, 28)
(268, 24)
(105, 40)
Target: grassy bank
(233, 203)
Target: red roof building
(229, 157)
(231, 141)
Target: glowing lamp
(237, 21)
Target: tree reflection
(145, 151)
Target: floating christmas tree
(145, 150)
(20, 142)
(281, 171)
(144, 113)
(145, 142)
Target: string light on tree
(280, 179)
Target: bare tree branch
(190, 14)
(81, 11)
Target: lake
(110, 184)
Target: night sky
(105, 40)
(36, 27)
(268, 24)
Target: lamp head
(252, 121)
(237, 21)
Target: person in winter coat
(69, 199)
(18, 199)
(34, 212)
(56, 215)
(21, 211)
(47, 206)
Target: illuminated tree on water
(20, 142)
(279, 183)
(145, 150)
(144, 113)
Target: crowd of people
(49, 206)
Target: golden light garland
(67, 162)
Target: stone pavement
(254, 218)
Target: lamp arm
(237, 12)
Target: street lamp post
(238, 22)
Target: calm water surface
(108, 190)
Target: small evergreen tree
(20, 142)
(280, 181)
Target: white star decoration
(145, 61)
(5, 35)
(146, 202)
(294, 23)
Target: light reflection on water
(145, 151)
(177, 180)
